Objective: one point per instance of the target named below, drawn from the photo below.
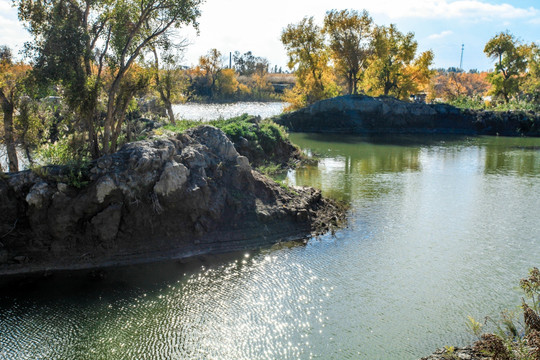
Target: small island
(362, 114)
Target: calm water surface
(440, 228)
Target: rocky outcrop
(466, 353)
(153, 200)
(266, 145)
(384, 115)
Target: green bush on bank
(265, 133)
(65, 160)
(263, 137)
(477, 103)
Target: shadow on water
(377, 139)
(121, 280)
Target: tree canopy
(309, 56)
(394, 69)
(377, 60)
(75, 40)
(510, 61)
(350, 34)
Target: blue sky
(439, 25)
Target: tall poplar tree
(350, 34)
(309, 57)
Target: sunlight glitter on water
(206, 112)
(438, 230)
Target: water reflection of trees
(354, 166)
(520, 161)
(352, 170)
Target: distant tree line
(349, 54)
(92, 61)
(248, 79)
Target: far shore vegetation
(96, 74)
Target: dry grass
(282, 78)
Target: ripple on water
(437, 233)
(206, 112)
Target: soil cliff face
(152, 200)
(367, 115)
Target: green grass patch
(287, 188)
(264, 133)
(270, 169)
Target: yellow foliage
(226, 82)
(452, 85)
(243, 89)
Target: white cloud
(243, 25)
(447, 9)
(5, 6)
(440, 35)
(12, 34)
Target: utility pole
(230, 60)
(461, 61)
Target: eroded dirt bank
(153, 200)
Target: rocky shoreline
(465, 353)
(360, 114)
(154, 200)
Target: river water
(439, 229)
(205, 112)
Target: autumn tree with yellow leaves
(377, 60)
(309, 57)
(350, 34)
(394, 68)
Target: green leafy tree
(248, 64)
(136, 25)
(393, 68)
(76, 41)
(350, 34)
(510, 61)
(170, 81)
(70, 41)
(309, 57)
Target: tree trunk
(29, 155)
(170, 111)
(9, 138)
(166, 99)
(109, 119)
